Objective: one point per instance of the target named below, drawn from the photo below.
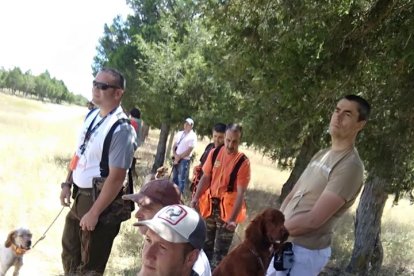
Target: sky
(60, 36)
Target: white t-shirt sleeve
(202, 265)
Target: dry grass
(36, 142)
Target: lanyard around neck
(91, 130)
(182, 137)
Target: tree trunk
(308, 149)
(170, 142)
(162, 142)
(367, 254)
(144, 132)
(377, 255)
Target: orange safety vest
(228, 199)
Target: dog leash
(44, 234)
(171, 172)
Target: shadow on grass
(395, 237)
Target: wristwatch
(65, 184)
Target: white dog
(11, 254)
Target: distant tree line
(42, 87)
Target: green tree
(387, 77)
(174, 79)
(161, 49)
(14, 80)
(292, 60)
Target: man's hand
(230, 225)
(65, 196)
(88, 221)
(194, 204)
(177, 158)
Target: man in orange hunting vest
(220, 194)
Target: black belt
(84, 191)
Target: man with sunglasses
(91, 225)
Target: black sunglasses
(104, 86)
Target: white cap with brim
(190, 121)
(178, 224)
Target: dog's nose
(29, 243)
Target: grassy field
(36, 142)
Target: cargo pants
(218, 238)
(86, 252)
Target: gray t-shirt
(122, 144)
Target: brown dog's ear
(10, 239)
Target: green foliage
(291, 61)
(387, 78)
(273, 55)
(42, 86)
(278, 67)
(171, 75)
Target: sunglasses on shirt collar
(104, 86)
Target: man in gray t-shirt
(326, 189)
(87, 243)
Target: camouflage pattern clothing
(119, 210)
(218, 238)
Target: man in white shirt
(95, 217)
(184, 143)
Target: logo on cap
(173, 214)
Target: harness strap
(234, 173)
(258, 258)
(104, 164)
(215, 154)
(104, 167)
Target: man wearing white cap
(184, 143)
(151, 198)
(173, 241)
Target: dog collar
(18, 250)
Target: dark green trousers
(86, 252)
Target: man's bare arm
(110, 190)
(186, 153)
(325, 207)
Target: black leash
(44, 234)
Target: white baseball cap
(178, 224)
(190, 121)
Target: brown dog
(162, 173)
(264, 234)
